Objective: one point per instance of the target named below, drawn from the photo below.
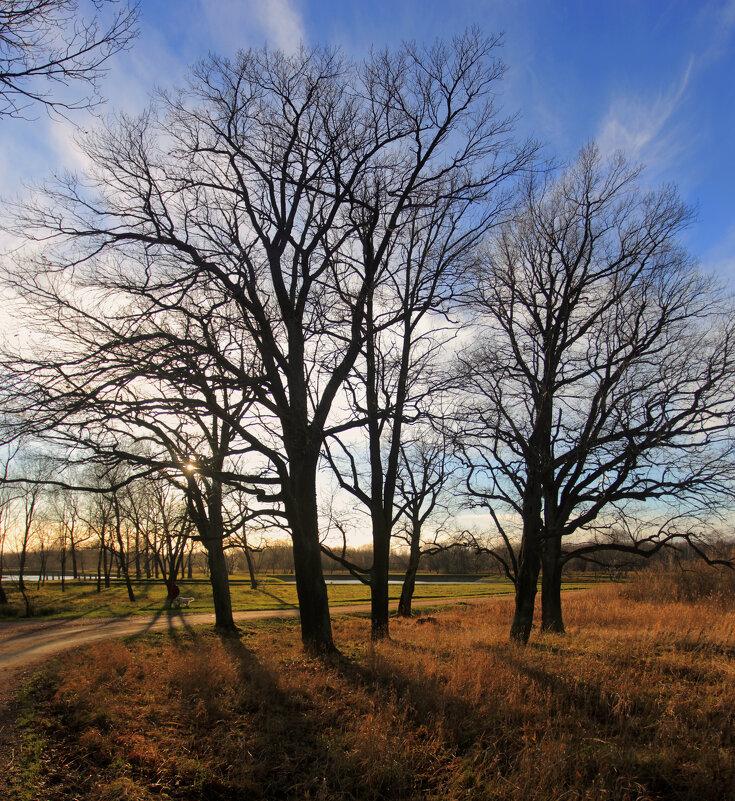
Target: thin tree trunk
(138, 569)
(128, 582)
(3, 594)
(106, 566)
(73, 554)
(123, 567)
(22, 566)
(41, 568)
(99, 568)
(409, 580)
(251, 570)
(551, 612)
(63, 568)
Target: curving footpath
(26, 642)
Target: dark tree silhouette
(604, 372)
(249, 191)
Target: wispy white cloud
(720, 18)
(644, 128)
(236, 24)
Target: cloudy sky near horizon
(655, 78)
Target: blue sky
(654, 78)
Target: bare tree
(604, 374)
(67, 514)
(5, 499)
(429, 472)
(419, 251)
(249, 191)
(161, 514)
(126, 377)
(30, 474)
(47, 46)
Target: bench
(181, 601)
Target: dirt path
(28, 642)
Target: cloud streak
(236, 24)
(644, 129)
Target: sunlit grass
(82, 599)
(637, 701)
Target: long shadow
(427, 701)
(183, 625)
(46, 629)
(39, 628)
(282, 604)
(284, 750)
(588, 701)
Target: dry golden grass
(691, 582)
(636, 702)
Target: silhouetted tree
(250, 192)
(604, 369)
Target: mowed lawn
(635, 703)
(82, 599)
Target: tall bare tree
(250, 190)
(418, 252)
(604, 373)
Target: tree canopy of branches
(603, 375)
(47, 46)
(246, 201)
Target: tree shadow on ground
(425, 701)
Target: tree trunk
(551, 614)
(316, 624)
(529, 567)
(302, 513)
(251, 571)
(409, 580)
(138, 569)
(220, 582)
(106, 566)
(99, 570)
(73, 554)
(379, 609)
(3, 594)
(529, 564)
(41, 568)
(128, 583)
(21, 568)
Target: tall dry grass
(692, 582)
(636, 702)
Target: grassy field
(635, 703)
(82, 599)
